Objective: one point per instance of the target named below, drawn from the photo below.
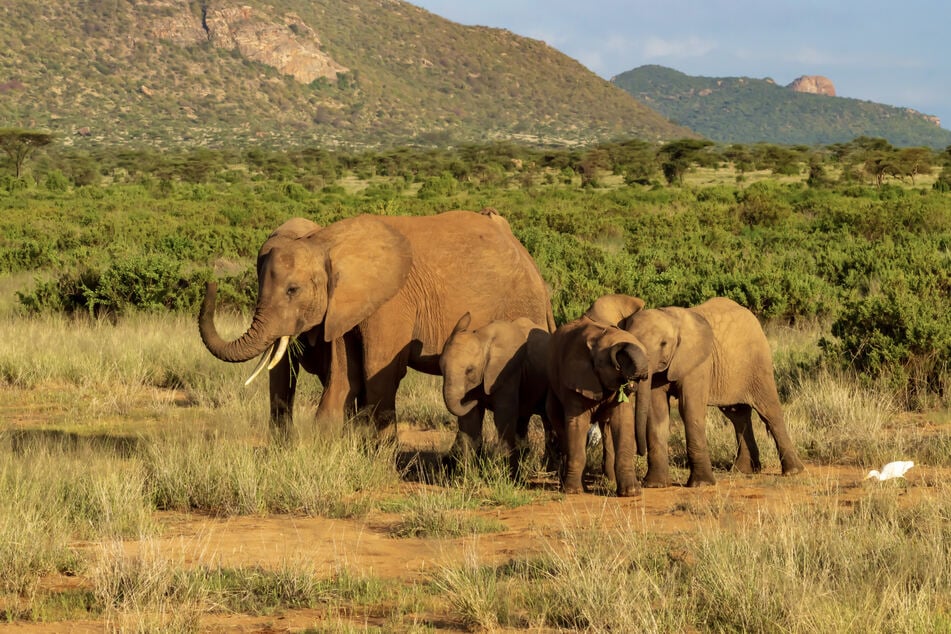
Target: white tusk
(281, 349)
(260, 365)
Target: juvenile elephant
(502, 367)
(712, 354)
(398, 284)
(590, 366)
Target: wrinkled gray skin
(712, 354)
(590, 362)
(396, 284)
(501, 367)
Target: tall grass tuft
(473, 592)
(146, 592)
(329, 474)
(51, 495)
(834, 419)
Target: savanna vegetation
(116, 414)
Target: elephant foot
(655, 483)
(704, 480)
(572, 487)
(794, 468)
(747, 467)
(629, 491)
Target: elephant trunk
(454, 394)
(249, 345)
(642, 408)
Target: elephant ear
(295, 228)
(367, 264)
(505, 350)
(694, 345)
(462, 324)
(580, 373)
(614, 309)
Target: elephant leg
(693, 410)
(772, 414)
(383, 373)
(607, 451)
(468, 440)
(577, 423)
(658, 437)
(553, 455)
(747, 452)
(510, 428)
(624, 448)
(340, 387)
(282, 387)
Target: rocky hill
(294, 72)
(746, 110)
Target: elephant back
(464, 261)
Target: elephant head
(475, 359)
(614, 309)
(308, 277)
(676, 341)
(590, 368)
(617, 360)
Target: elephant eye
(293, 290)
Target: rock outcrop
(814, 84)
(284, 42)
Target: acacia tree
(19, 144)
(677, 156)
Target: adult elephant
(712, 354)
(310, 352)
(397, 284)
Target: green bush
(147, 283)
(897, 336)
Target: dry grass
(131, 428)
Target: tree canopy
(19, 144)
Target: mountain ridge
(187, 72)
(749, 110)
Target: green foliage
(19, 144)
(788, 251)
(148, 283)
(901, 335)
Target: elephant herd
(457, 295)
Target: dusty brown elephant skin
(398, 283)
(590, 363)
(311, 353)
(712, 354)
(501, 367)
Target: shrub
(898, 336)
(150, 283)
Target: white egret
(895, 469)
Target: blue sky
(896, 53)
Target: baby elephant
(502, 367)
(712, 354)
(591, 366)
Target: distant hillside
(744, 110)
(335, 72)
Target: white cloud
(654, 47)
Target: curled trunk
(455, 398)
(249, 345)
